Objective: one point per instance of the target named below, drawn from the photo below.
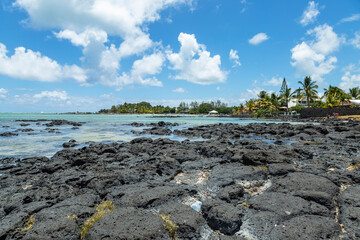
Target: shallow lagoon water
(98, 128)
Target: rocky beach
(255, 181)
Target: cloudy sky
(84, 55)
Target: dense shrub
(296, 108)
(265, 112)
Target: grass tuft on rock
(244, 204)
(28, 225)
(169, 225)
(266, 169)
(353, 167)
(73, 217)
(102, 210)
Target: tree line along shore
(265, 105)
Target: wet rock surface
(49, 124)
(62, 122)
(260, 181)
(160, 128)
(71, 143)
(158, 124)
(8, 134)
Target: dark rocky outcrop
(260, 181)
(25, 130)
(62, 122)
(153, 131)
(8, 134)
(71, 143)
(158, 124)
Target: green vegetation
(142, 107)
(285, 95)
(28, 225)
(102, 210)
(265, 112)
(309, 89)
(170, 226)
(297, 108)
(335, 96)
(267, 104)
(192, 108)
(354, 93)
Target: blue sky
(75, 55)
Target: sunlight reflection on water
(98, 128)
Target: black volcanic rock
(349, 202)
(71, 143)
(62, 122)
(25, 130)
(129, 223)
(222, 216)
(259, 181)
(8, 134)
(306, 227)
(154, 131)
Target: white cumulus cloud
(258, 38)
(29, 65)
(327, 41)
(356, 41)
(310, 14)
(250, 93)
(52, 95)
(140, 72)
(83, 39)
(349, 80)
(311, 58)
(88, 24)
(275, 81)
(233, 55)
(120, 17)
(179, 90)
(3, 93)
(195, 63)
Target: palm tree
(250, 105)
(309, 88)
(285, 94)
(335, 95)
(263, 94)
(274, 99)
(332, 101)
(354, 92)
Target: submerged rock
(8, 134)
(71, 143)
(62, 122)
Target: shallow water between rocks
(96, 128)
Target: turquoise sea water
(98, 128)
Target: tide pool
(96, 128)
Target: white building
(355, 101)
(293, 102)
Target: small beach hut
(213, 112)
